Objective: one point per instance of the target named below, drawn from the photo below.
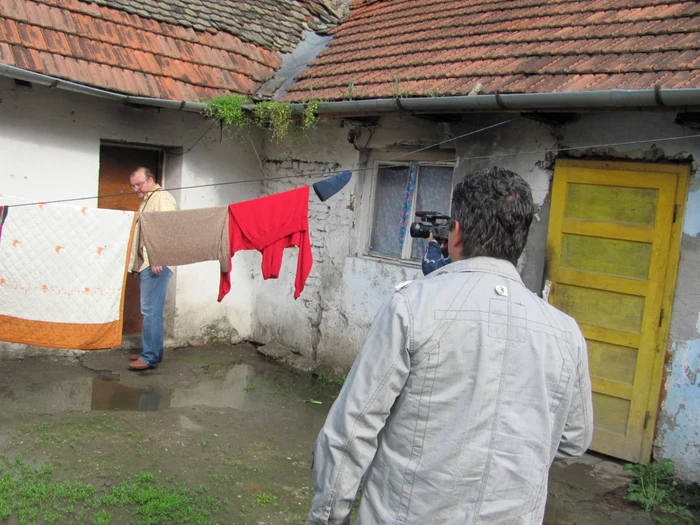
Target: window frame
(404, 258)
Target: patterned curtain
(388, 209)
(393, 207)
(434, 194)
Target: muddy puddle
(225, 423)
(230, 386)
(228, 389)
(220, 432)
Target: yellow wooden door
(612, 249)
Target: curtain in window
(406, 213)
(394, 208)
(434, 194)
(389, 203)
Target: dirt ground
(221, 430)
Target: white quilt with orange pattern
(62, 274)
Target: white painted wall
(49, 149)
(348, 287)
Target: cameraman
(434, 257)
(466, 389)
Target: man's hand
(156, 270)
(431, 238)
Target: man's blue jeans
(153, 288)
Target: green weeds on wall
(238, 112)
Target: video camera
(431, 222)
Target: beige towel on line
(176, 238)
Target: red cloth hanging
(271, 224)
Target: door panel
(116, 164)
(608, 246)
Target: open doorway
(117, 162)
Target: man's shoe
(134, 357)
(139, 365)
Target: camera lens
(420, 231)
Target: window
(400, 191)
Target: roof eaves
(9, 71)
(602, 100)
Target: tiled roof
(153, 48)
(389, 48)
(272, 24)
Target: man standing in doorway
(467, 386)
(153, 280)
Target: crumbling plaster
(678, 427)
(49, 149)
(347, 286)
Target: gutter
(569, 101)
(45, 80)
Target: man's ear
(455, 240)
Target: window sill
(390, 260)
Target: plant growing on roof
(347, 94)
(310, 116)
(275, 115)
(230, 109)
(398, 92)
(238, 111)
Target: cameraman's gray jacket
(466, 389)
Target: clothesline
(360, 170)
(64, 266)
(286, 177)
(43, 307)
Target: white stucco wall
(49, 149)
(347, 286)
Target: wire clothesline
(285, 177)
(359, 170)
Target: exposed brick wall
(286, 175)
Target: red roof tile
(6, 55)
(446, 47)
(149, 52)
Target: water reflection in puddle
(110, 394)
(217, 386)
(221, 387)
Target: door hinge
(661, 317)
(675, 212)
(647, 417)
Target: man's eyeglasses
(137, 187)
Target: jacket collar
(481, 264)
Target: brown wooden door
(116, 164)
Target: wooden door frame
(682, 171)
(148, 155)
(663, 343)
(160, 174)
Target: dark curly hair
(494, 209)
